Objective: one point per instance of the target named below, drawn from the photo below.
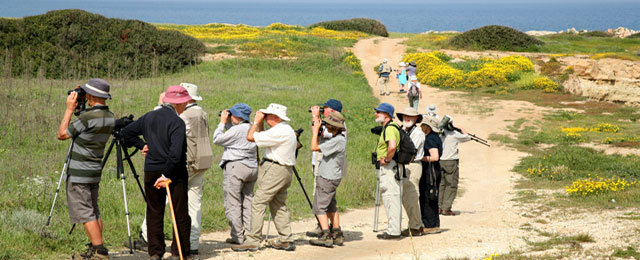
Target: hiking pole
(64, 170)
(173, 218)
(266, 237)
(377, 203)
(401, 183)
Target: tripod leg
(62, 173)
(106, 155)
(120, 167)
(133, 170)
(377, 203)
(305, 193)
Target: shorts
(324, 201)
(82, 201)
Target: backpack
(385, 68)
(413, 90)
(406, 151)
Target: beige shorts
(324, 201)
(82, 201)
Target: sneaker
(413, 232)
(386, 236)
(338, 237)
(433, 230)
(232, 241)
(325, 240)
(245, 247)
(286, 246)
(448, 212)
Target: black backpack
(413, 90)
(406, 151)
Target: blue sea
(398, 17)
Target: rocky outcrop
(611, 80)
(622, 32)
(540, 33)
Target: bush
(494, 37)
(365, 25)
(79, 44)
(596, 34)
(635, 35)
(546, 84)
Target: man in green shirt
(389, 185)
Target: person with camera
(449, 162)
(414, 93)
(332, 105)
(330, 172)
(413, 171)
(384, 71)
(389, 170)
(165, 152)
(430, 180)
(239, 167)
(279, 144)
(89, 133)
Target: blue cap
(387, 108)
(334, 104)
(241, 110)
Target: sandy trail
(488, 222)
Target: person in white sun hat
(274, 177)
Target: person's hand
(160, 102)
(145, 150)
(462, 131)
(72, 101)
(224, 116)
(162, 182)
(383, 161)
(259, 117)
(316, 124)
(315, 111)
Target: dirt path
(488, 222)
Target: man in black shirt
(165, 159)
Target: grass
(31, 156)
(628, 252)
(555, 241)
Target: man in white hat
(274, 177)
(384, 71)
(413, 171)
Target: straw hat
(431, 122)
(276, 109)
(409, 111)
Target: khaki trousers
(411, 194)
(273, 182)
(237, 184)
(384, 85)
(390, 192)
(449, 184)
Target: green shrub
(365, 25)
(635, 35)
(77, 44)
(494, 37)
(596, 34)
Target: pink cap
(176, 95)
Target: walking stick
(266, 237)
(173, 218)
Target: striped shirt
(90, 133)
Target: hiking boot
(433, 230)
(411, 232)
(286, 246)
(232, 241)
(138, 244)
(386, 236)
(338, 237)
(448, 212)
(193, 252)
(317, 232)
(245, 247)
(93, 253)
(325, 240)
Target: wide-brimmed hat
(276, 109)
(431, 122)
(335, 119)
(333, 104)
(385, 107)
(431, 108)
(176, 95)
(192, 89)
(412, 63)
(409, 111)
(97, 88)
(241, 110)
(402, 64)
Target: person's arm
(391, 151)
(419, 89)
(176, 138)
(257, 126)
(63, 134)
(315, 130)
(130, 134)
(433, 155)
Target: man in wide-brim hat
(410, 118)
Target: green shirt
(392, 133)
(90, 133)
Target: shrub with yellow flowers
(558, 172)
(605, 127)
(546, 84)
(598, 185)
(620, 139)
(353, 61)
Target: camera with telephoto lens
(374, 160)
(122, 122)
(81, 100)
(376, 130)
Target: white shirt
(450, 142)
(279, 143)
(418, 137)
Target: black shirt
(165, 134)
(432, 140)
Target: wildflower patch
(594, 186)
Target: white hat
(385, 60)
(192, 89)
(431, 108)
(413, 77)
(276, 109)
(402, 64)
(432, 122)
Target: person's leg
(390, 190)
(410, 195)
(444, 185)
(450, 183)
(194, 191)
(386, 85)
(180, 198)
(247, 199)
(263, 195)
(232, 187)
(154, 214)
(278, 205)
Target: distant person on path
(402, 76)
(239, 168)
(389, 170)
(384, 71)
(90, 133)
(430, 181)
(274, 177)
(410, 119)
(412, 69)
(330, 172)
(431, 111)
(414, 94)
(449, 162)
(165, 150)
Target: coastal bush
(635, 35)
(76, 43)
(365, 25)
(494, 37)
(596, 34)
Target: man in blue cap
(389, 185)
(316, 156)
(239, 167)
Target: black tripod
(298, 132)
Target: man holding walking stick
(274, 177)
(165, 160)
